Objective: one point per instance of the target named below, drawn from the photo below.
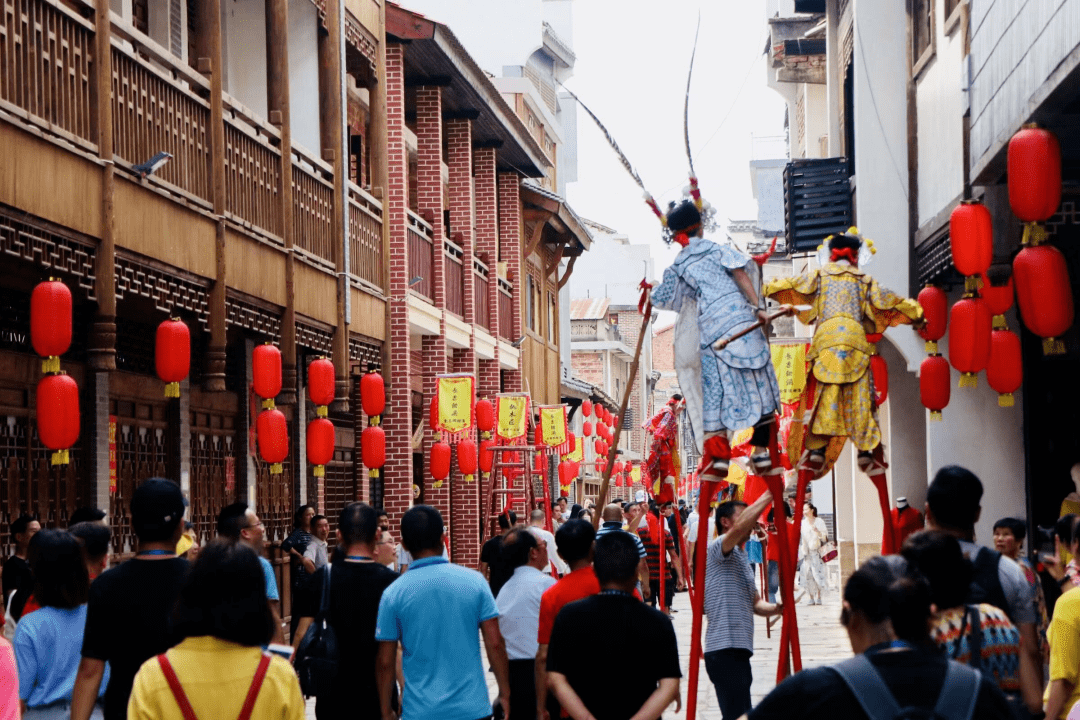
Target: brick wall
(510, 252)
(487, 248)
(588, 367)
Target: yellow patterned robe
(846, 304)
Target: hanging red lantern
(172, 355)
(571, 442)
(273, 438)
(879, 372)
(440, 462)
(618, 481)
(487, 456)
(466, 459)
(485, 417)
(321, 384)
(566, 474)
(1034, 169)
(934, 385)
(373, 395)
(1005, 373)
(433, 413)
(998, 299)
(50, 322)
(598, 447)
(586, 428)
(617, 467)
(1044, 294)
(540, 463)
(971, 235)
(586, 407)
(373, 449)
(266, 372)
(609, 418)
(58, 415)
(969, 339)
(935, 307)
(538, 435)
(320, 444)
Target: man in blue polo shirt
(434, 611)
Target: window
(530, 306)
(552, 334)
(922, 33)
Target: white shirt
(404, 557)
(316, 552)
(519, 611)
(553, 555)
(692, 528)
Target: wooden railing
(455, 278)
(421, 256)
(365, 237)
(506, 311)
(313, 203)
(46, 67)
(252, 171)
(155, 112)
(480, 294)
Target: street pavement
(823, 642)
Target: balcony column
(510, 252)
(487, 248)
(429, 201)
(397, 473)
(465, 510)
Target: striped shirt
(729, 599)
(652, 548)
(615, 526)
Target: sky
(631, 70)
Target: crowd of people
(187, 631)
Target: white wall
(612, 269)
(881, 151)
(244, 30)
(304, 75)
(817, 119)
(941, 101)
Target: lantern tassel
(469, 478)
(321, 411)
(320, 471)
(374, 419)
(275, 469)
(999, 322)
(1034, 235)
(60, 457)
(172, 390)
(1005, 400)
(936, 416)
(969, 380)
(972, 283)
(438, 483)
(1053, 346)
(373, 473)
(931, 347)
(50, 365)
(268, 404)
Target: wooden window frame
(923, 59)
(954, 16)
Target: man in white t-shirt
(536, 527)
(316, 556)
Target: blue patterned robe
(738, 384)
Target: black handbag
(317, 655)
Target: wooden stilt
(705, 495)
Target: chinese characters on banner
(635, 474)
(112, 454)
(577, 454)
(454, 397)
(553, 427)
(512, 417)
(789, 361)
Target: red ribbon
(844, 253)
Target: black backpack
(316, 659)
(986, 583)
(955, 702)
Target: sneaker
(812, 460)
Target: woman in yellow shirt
(219, 669)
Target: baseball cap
(156, 507)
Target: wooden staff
(786, 310)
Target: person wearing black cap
(128, 616)
(728, 383)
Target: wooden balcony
(421, 256)
(480, 294)
(313, 204)
(506, 311)
(453, 258)
(365, 237)
(252, 171)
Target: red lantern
(608, 418)
(571, 441)
(969, 339)
(320, 444)
(618, 481)
(58, 415)
(598, 446)
(266, 369)
(466, 458)
(1044, 294)
(487, 455)
(879, 371)
(50, 322)
(1034, 174)
(172, 355)
(971, 235)
(586, 428)
(1005, 373)
(540, 463)
(617, 467)
(566, 473)
(485, 417)
(586, 407)
(538, 435)
(440, 462)
(998, 299)
(934, 385)
(433, 417)
(935, 307)
(321, 385)
(373, 395)
(373, 449)
(273, 436)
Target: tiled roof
(589, 308)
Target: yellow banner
(553, 424)
(455, 403)
(513, 416)
(635, 474)
(789, 361)
(578, 453)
